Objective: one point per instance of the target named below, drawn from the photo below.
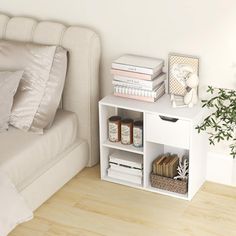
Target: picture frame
(179, 65)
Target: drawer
(167, 130)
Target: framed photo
(179, 66)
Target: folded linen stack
(138, 77)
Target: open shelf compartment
(153, 150)
(105, 165)
(105, 113)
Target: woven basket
(169, 184)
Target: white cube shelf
(160, 135)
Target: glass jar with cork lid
(127, 131)
(138, 134)
(114, 126)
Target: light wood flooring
(87, 206)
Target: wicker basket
(169, 184)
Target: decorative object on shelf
(179, 67)
(183, 80)
(164, 168)
(221, 123)
(182, 170)
(138, 134)
(138, 77)
(114, 128)
(191, 96)
(168, 184)
(127, 131)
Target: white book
(126, 169)
(140, 98)
(136, 75)
(138, 64)
(126, 177)
(140, 92)
(126, 158)
(138, 83)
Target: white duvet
(13, 208)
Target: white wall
(205, 28)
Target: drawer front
(167, 130)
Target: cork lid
(114, 118)
(138, 123)
(127, 121)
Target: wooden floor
(87, 206)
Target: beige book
(159, 163)
(165, 166)
(173, 165)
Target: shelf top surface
(162, 106)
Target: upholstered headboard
(81, 91)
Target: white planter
(221, 168)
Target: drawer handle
(170, 119)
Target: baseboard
(221, 168)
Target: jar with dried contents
(114, 125)
(127, 131)
(138, 133)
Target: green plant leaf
(221, 123)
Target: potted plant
(221, 123)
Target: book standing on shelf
(138, 77)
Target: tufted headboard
(81, 92)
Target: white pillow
(45, 114)
(40, 89)
(9, 82)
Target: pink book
(135, 74)
(140, 98)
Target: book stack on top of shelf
(126, 166)
(138, 77)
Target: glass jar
(127, 131)
(114, 125)
(138, 133)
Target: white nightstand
(160, 136)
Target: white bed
(40, 165)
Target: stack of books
(138, 77)
(166, 165)
(126, 166)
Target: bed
(40, 165)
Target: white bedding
(25, 156)
(13, 208)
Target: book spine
(140, 98)
(135, 86)
(139, 82)
(132, 80)
(138, 92)
(131, 74)
(136, 69)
